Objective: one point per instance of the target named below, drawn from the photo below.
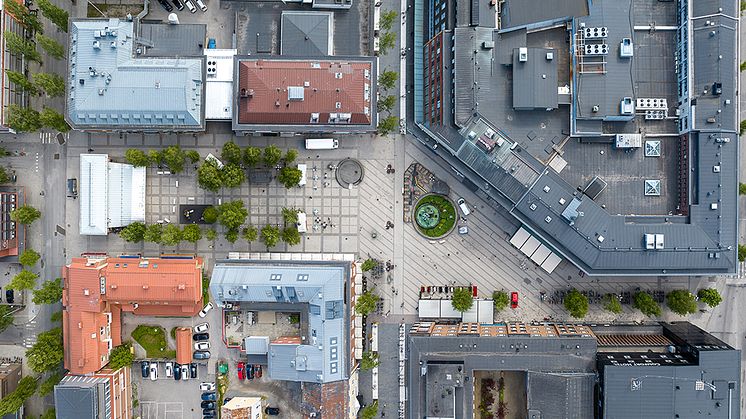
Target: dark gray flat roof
(519, 13)
(182, 40)
(535, 80)
(307, 33)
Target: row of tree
(172, 156)
(681, 302)
(386, 102)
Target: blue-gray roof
(111, 88)
(315, 287)
(82, 397)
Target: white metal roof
(93, 194)
(219, 84)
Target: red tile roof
(328, 87)
(153, 287)
(183, 345)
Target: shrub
(612, 304)
(500, 300)
(710, 296)
(29, 257)
(210, 215)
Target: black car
(201, 336)
(250, 372)
(227, 399)
(193, 370)
(208, 397)
(9, 296)
(272, 411)
(207, 416)
(208, 412)
(177, 372)
(179, 5)
(207, 405)
(145, 367)
(166, 5)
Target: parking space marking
(162, 410)
(149, 410)
(173, 410)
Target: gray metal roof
(522, 13)
(314, 287)
(81, 397)
(170, 41)
(535, 80)
(560, 396)
(111, 88)
(307, 33)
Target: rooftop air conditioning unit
(523, 54)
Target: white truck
(322, 143)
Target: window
(302, 277)
(275, 277)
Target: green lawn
(447, 215)
(153, 339)
(205, 289)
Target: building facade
(10, 375)
(105, 394)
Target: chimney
(86, 292)
(182, 287)
(145, 286)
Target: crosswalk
(30, 339)
(50, 137)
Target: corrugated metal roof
(111, 89)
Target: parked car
(208, 397)
(207, 416)
(201, 336)
(166, 5)
(177, 372)
(9, 296)
(185, 372)
(250, 372)
(179, 5)
(202, 346)
(513, 299)
(208, 412)
(272, 411)
(241, 367)
(193, 369)
(190, 6)
(202, 327)
(154, 371)
(258, 371)
(169, 369)
(207, 405)
(145, 366)
(207, 386)
(209, 306)
(201, 355)
(201, 5)
(463, 207)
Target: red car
(513, 299)
(258, 371)
(241, 369)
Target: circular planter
(434, 216)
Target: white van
(464, 208)
(301, 224)
(321, 144)
(302, 168)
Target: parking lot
(166, 398)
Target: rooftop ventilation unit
(96, 45)
(656, 115)
(653, 187)
(651, 104)
(653, 241)
(596, 49)
(628, 141)
(653, 148)
(596, 33)
(212, 68)
(523, 54)
(626, 48)
(626, 106)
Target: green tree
(290, 216)
(47, 385)
(6, 317)
(208, 176)
(290, 156)
(51, 84)
(121, 356)
(52, 47)
(49, 414)
(53, 119)
(272, 155)
(175, 158)
(366, 303)
(252, 156)
(576, 303)
(232, 175)
(645, 303)
(291, 236)
(25, 214)
(193, 156)
(192, 233)
(23, 15)
(49, 293)
(4, 152)
(270, 235)
(388, 19)
(612, 304)
(18, 45)
(24, 280)
(171, 235)
(155, 157)
(369, 265)
(4, 176)
(231, 236)
(29, 257)
(250, 233)
(210, 215)
(21, 82)
(369, 361)
(289, 176)
(386, 103)
(462, 299)
(387, 79)
(57, 15)
(46, 354)
(13, 401)
(133, 233)
(232, 214)
(231, 153)
(137, 157)
(153, 233)
(741, 253)
(710, 296)
(370, 411)
(211, 234)
(681, 302)
(387, 125)
(56, 316)
(23, 119)
(500, 300)
(386, 42)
